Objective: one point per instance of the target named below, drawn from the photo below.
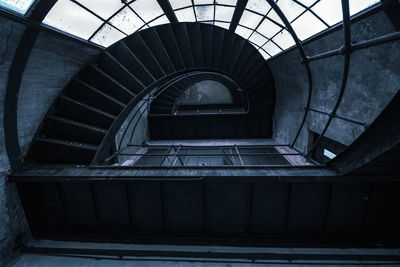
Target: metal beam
(382, 135)
(391, 37)
(355, 18)
(240, 6)
(169, 12)
(17, 67)
(206, 254)
(299, 46)
(347, 54)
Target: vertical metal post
(187, 157)
(238, 153)
(165, 156)
(176, 156)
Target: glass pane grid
(20, 6)
(105, 22)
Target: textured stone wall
(52, 63)
(373, 80)
(12, 218)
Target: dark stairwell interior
(183, 134)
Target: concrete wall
(12, 219)
(52, 63)
(373, 80)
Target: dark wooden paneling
(184, 207)
(383, 217)
(112, 207)
(146, 206)
(307, 209)
(270, 203)
(209, 127)
(79, 207)
(347, 208)
(227, 208)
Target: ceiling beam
(169, 12)
(240, 6)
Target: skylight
(265, 30)
(218, 13)
(104, 22)
(20, 6)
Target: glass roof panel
(20, 6)
(284, 39)
(310, 2)
(204, 12)
(272, 15)
(359, 5)
(203, 2)
(224, 13)
(185, 14)
(103, 8)
(127, 21)
(330, 11)
(259, 6)
(242, 31)
(258, 39)
(271, 48)
(69, 17)
(291, 9)
(147, 9)
(107, 36)
(226, 2)
(264, 54)
(307, 25)
(250, 19)
(268, 28)
(161, 20)
(222, 24)
(180, 3)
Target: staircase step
(51, 150)
(62, 128)
(139, 47)
(118, 72)
(75, 110)
(87, 94)
(97, 78)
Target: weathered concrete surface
(373, 80)
(51, 65)
(12, 218)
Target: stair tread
(80, 124)
(113, 80)
(100, 92)
(89, 107)
(67, 143)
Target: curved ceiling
(104, 22)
